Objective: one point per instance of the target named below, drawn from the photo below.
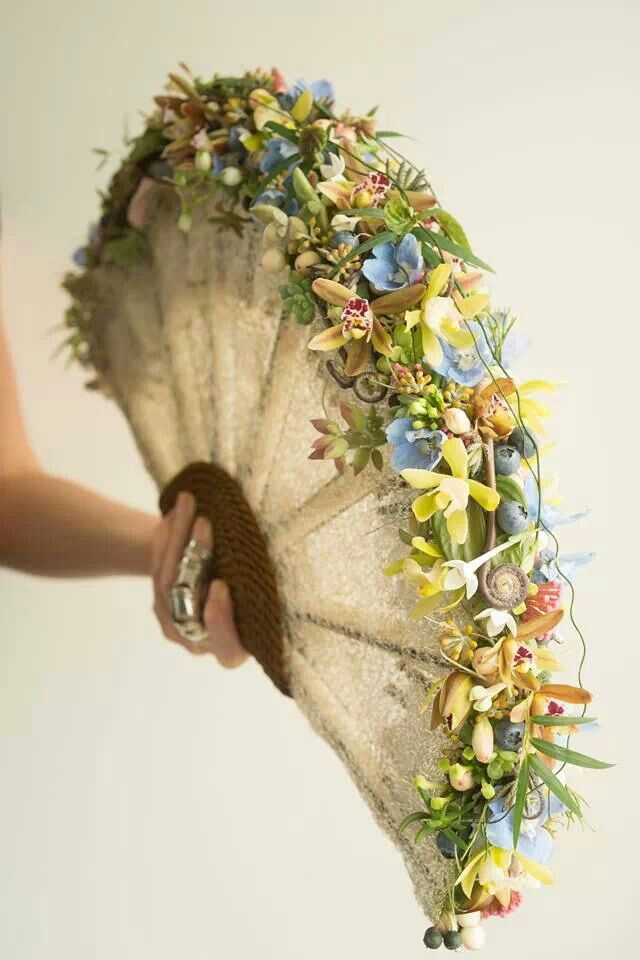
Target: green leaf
(559, 720)
(510, 489)
(387, 134)
(432, 258)
(371, 212)
(360, 459)
(354, 416)
(379, 238)
(285, 132)
(455, 838)
(376, 459)
(441, 242)
(561, 792)
(568, 756)
(126, 249)
(451, 227)
(412, 818)
(150, 142)
(473, 545)
(521, 797)
(424, 832)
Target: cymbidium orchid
(368, 192)
(499, 401)
(357, 328)
(440, 317)
(515, 661)
(450, 493)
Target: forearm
(53, 527)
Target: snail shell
(505, 586)
(368, 388)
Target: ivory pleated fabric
(192, 345)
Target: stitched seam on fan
(386, 645)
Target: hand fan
(244, 212)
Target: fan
(173, 338)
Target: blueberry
(526, 443)
(432, 939)
(508, 736)
(512, 516)
(446, 847)
(507, 460)
(452, 940)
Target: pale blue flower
(421, 449)
(395, 265)
(571, 564)
(551, 516)
(278, 198)
(468, 365)
(534, 842)
(321, 89)
(277, 150)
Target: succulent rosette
(399, 306)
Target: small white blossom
(334, 169)
(497, 620)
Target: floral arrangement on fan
(403, 308)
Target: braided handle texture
(240, 558)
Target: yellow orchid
(424, 569)
(442, 317)
(266, 108)
(495, 400)
(492, 869)
(450, 493)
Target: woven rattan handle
(241, 559)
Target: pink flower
(496, 909)
(279, 83)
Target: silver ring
(185, 595)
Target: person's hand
(170, 538)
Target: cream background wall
(152, 806)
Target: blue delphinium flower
(534, 842)
(277, 150)
(551, 516)
(468, 365)
(278, 198)
(394, 265)
(548, 566)
(321, 89)
(421, 449)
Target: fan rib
(277, 397)
(390, 644)
(338, 495)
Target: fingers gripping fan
(270, 276)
